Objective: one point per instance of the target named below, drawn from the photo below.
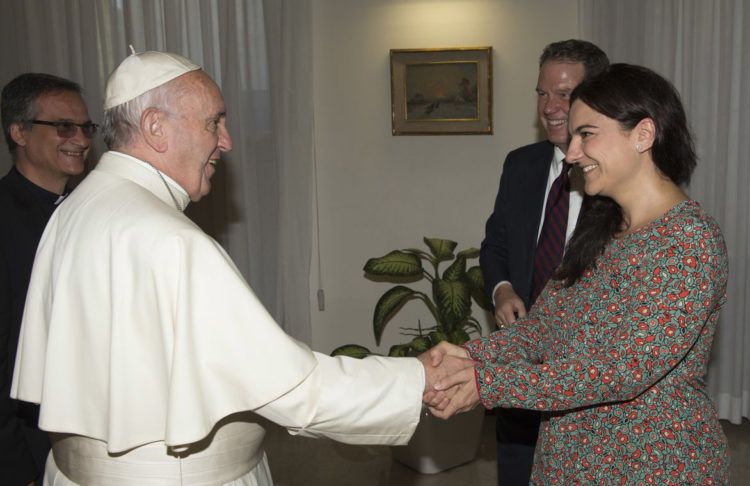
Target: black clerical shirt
(25, 209)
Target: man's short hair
(18, 99)
(594, 60)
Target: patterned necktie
(549, 248)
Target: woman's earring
(638, 148)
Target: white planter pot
(439, 444)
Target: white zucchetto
(142, 72)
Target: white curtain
(258, 52)
(703, 47)
(289, 26)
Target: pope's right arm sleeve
(375, 400)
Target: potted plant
(449, 302)
(437, 445)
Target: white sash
(233, 450)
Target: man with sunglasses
(48, 132)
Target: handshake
(450, 387)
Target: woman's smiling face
(606, 153)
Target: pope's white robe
(138, 328)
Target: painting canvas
(441, 91)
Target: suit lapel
(538, 174)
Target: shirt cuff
(502, 282)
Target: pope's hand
(441, 362)
(437, 353)
(461, 394)
(459, 369)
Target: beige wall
(378, 192)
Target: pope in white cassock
(141, 340)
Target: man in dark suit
(512, 233)
(48, 132)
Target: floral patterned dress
(617, 360)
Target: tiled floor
(298, 461)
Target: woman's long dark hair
(628, 94)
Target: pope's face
(201, 134)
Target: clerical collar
(169, 183)
(39, 193)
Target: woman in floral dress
(616, 347)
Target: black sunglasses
(67, 129)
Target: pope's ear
(153, 129)
(18, 134)
(645, 133)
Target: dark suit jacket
(507, 251)
(24, 211)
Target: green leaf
(456, 271)
(437, 336)
(453, 301)
(399, 350)
(421, 344)
(475, 326)
(476, 280)
(458, 336)
(417, 251)
(351, 350)
(469, 253)
(387, 306)
(442, 250)
(395, 264)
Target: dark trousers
(39, 444)
(516, 433)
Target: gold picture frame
(441, 91)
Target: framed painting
(441, 91)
